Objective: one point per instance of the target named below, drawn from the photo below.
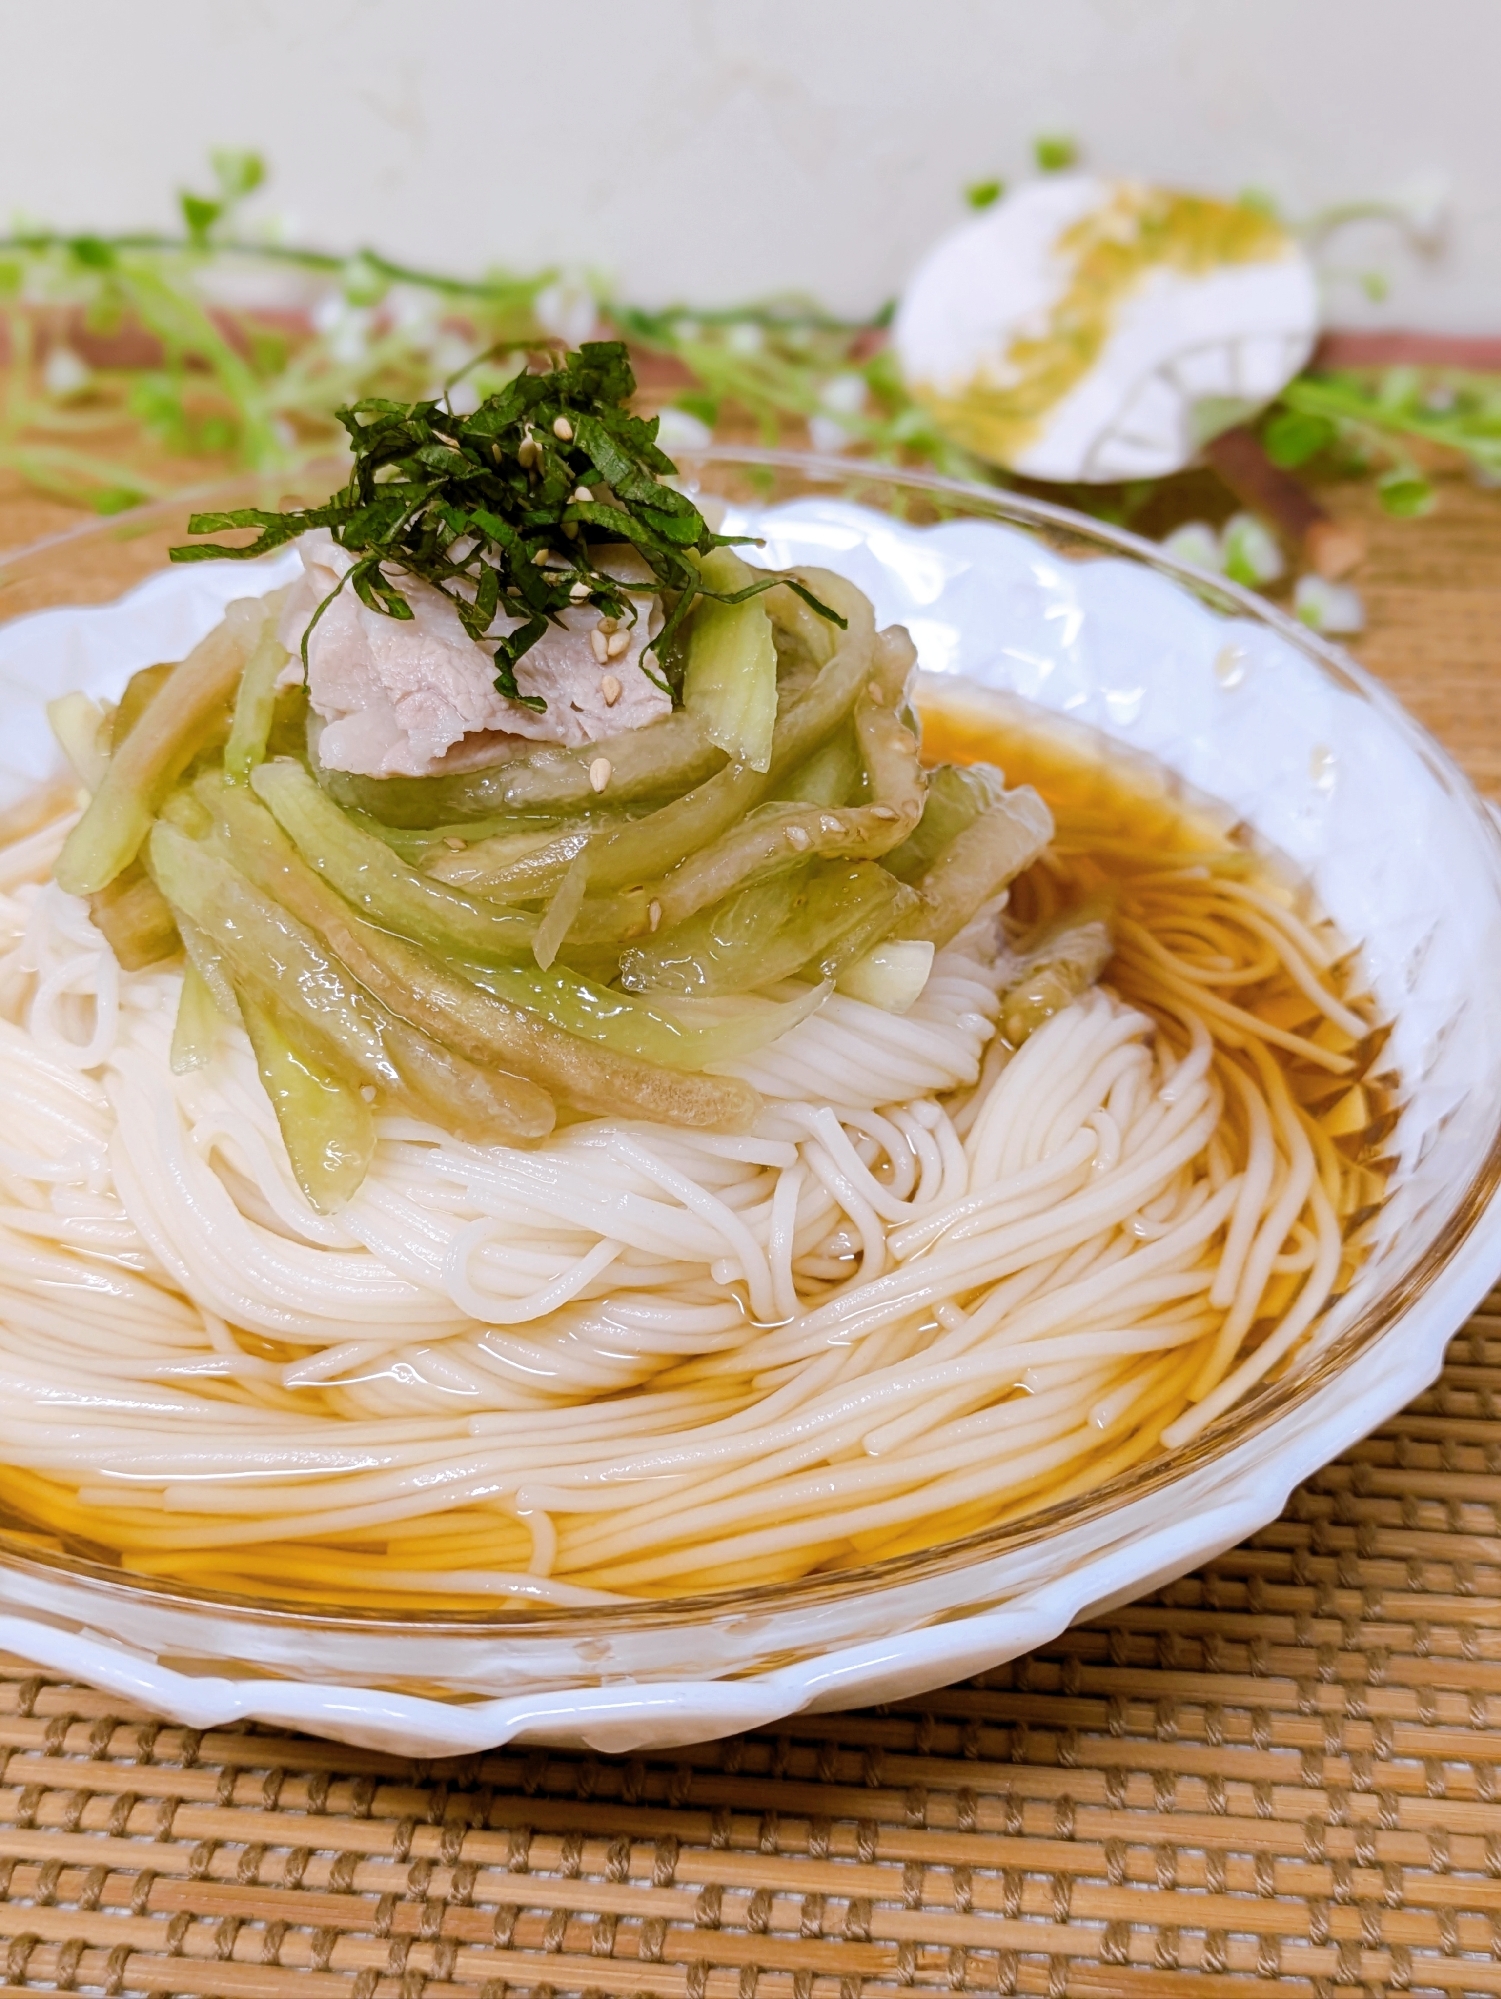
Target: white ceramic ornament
(1090, 330)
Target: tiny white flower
(1328, 607)
(828, 434)
(843, 395)
(681, 430)
(566, 309)
(448, 353)
(65, 374)
(415, 313)
(327, 311)
(1196, 542)
(349, 341)
(1424, 204)
(1251, 551)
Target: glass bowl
(1121, 649)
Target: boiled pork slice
(406, 698)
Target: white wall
(715, 149)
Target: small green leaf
(1292, 437)
(1054, 153)
(116, 500)
(984, 193)
(92, 253)
(238, 173)
(199, 214)
(699, 403)
(1405, 494)
(1398, 390)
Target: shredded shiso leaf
(506, 510)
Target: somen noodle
(528, 1081)
(937, 1285)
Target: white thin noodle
(632, 1360)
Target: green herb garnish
(506, 509)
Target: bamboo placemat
(1280, 1769)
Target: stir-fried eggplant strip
(893, 666)
(511, 867)
(265, 948)
(730, 679)
(988, 854)
(815, 921)
(800, 626)
(368, 875)
(135, 919)
(565, 998)
(255, 706)
(206, 961)
(507, 1026)
(110, 834)
(646, 849)
(139, 692)
(327, 1126)
(628, 1025)
(778, 837)
(957, 795)
(1054, 972)
(659, 761)
(280, 960)
(195, 1032)
(461, 1015)
(833, 775)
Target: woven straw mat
(1281, 1770)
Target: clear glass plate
(1009, 600)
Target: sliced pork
(405, 698)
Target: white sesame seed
(610, 688)
(599, 773)
(616, 644)
(540, 558)
(599, 645)
(578, 592)
(882, 812)
(581, 496)
(799, 837)
(561, 427)
(367, 1091)
(526, 451)
(654, 914)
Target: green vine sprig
(231, 385)
(1367, 423)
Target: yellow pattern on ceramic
(1090, 329)
(1111, 251)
